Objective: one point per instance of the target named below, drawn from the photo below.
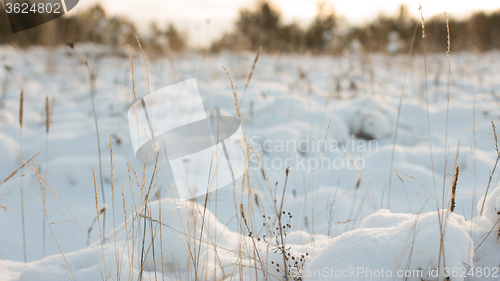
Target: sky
(204, 20)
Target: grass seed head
(21, 109)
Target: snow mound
(368, 118)
(384, 246)
(386, 243)
(86, 264)
(184, 235)
(491, 209)
(177, 234)
(486, 237)
(183, 227)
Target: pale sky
(192, 15)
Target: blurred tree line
(92, 25)
(328, 33)
(480, 32)
(262, 25)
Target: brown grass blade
(17, 170)
(21, 109)
(47, 114)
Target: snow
(385, 241)
(338, 219)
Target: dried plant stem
(47, 216)
(448, 81)
(495, 143)
(47, 128)
(398, 116)
(251, 73)
(424, 37)
(113, 205)
(99, 212)
(146, 198)
(18, 169)
(454, 189)
(35, 170)
(487, 234)
(280, 225)
(135, 100)
(86, 63)
(47, 115)
(441, 258)
(256, 250)
(253, 67)
(21, 115)
(145, 61)
(21, 109)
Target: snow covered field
(342, 205)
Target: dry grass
(47, 115)
(44, 205)
(98, 214)
(47, 129)
(91, 78)
(410, 52)
(13, 174)
(18, 169)
(454, 189)
(21, 109)
(251, 73)
(248, 250)
(21, 116)
(495, 144)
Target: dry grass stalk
(236, 104)
(146, 198)
(113, 206)
(253, 67)
(124, 209)
(251, 72)
(448, 49)
(47, 115)
(422, 18)
(132, 67)
(47, 128)
(427, 98)
(280, 225)
(99, 212)
(21, 116)
(51, 190)
(238, 111)
(495, 143)
(21, 109)
(454, 189)
(12, 174)
(17, 170)
(441, 259)
(448, 81)
(399, 115)
(495, 137)
(134, 94)
(91, 77)
(47, 217)
(489, 100)
(145, 61)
